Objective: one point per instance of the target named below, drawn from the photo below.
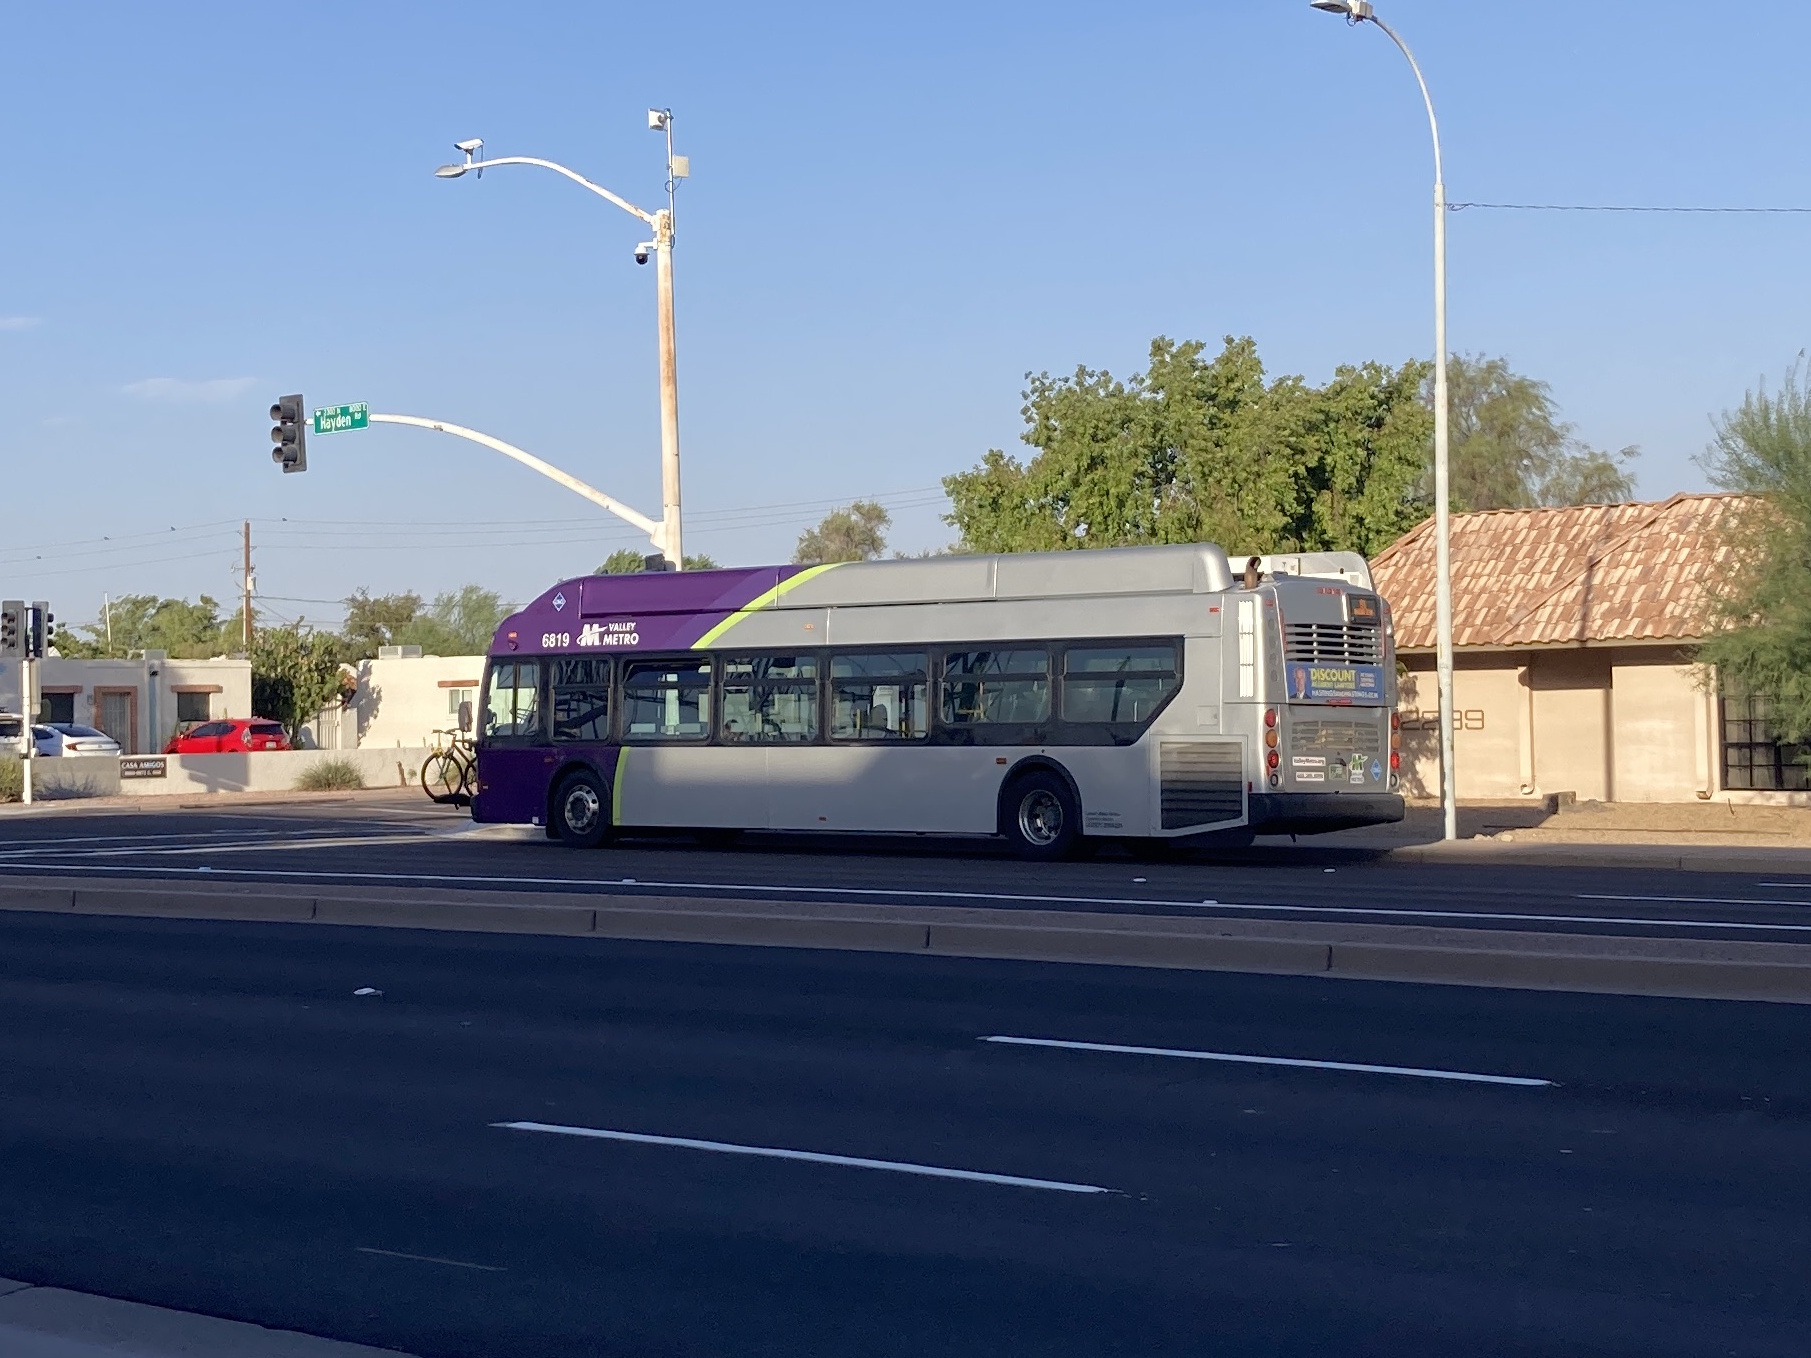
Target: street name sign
(332, 419)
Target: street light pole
(671, 540)
(1357, 12)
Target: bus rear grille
(1201, 783)
(1332, 643)
(1341, 737)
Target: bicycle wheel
(442, 777)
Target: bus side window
(996, 687)
(667, 699)
(1124, 683)
(580, 697)
(771, 698)
(879, 696)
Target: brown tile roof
(1585, 573)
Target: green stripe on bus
(616, 786)
(763, 600)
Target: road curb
(1683, 968)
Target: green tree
(854, 533)
(628, 561)
(459, 622)
(1510, 449)
(375, 620)
(1764, 603)
(1198, 449)
(296, 673)
(144, 622)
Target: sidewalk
(49, 1322)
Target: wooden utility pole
(246, 622)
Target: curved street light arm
(573, 175)
(1426, 98)
(572, 483)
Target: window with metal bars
(1754, 757)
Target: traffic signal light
(12, 628)
(287, 433)
(38, 621)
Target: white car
(62, 738)
(12, 733)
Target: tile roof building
(1584, 575)
(1574, 634)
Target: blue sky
(895, 212)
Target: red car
(230, 737)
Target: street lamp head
(1355, 10)
(449, 172)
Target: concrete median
(1682, 967)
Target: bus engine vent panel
(1332, 643)
(1201, 783)
(1341, 737)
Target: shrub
(12, 779)
(330, 775)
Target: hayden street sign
(332, 419)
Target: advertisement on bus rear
(1357, 685)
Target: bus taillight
(1272, 759)
(1395, 761)
(1270, 738)
(1270, 718)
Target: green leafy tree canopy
(1200, 448)
(1510, 450)
(1763, 647)
(628, 561)
(144, 622)
(296, 673)
(854, 533)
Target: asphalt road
(407, 842)
(207, 1116)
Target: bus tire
(1040, 817)
(580, 814)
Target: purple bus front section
(602, 615)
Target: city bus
(1051, 699)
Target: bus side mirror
(465, 715)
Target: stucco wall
(269, 770)
(401, 701)
(152, 683)
(1622, 724)
(1663, 733)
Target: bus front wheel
(1039, 816)
(581, 812)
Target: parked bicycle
(451, 770)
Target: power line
(1621, 207)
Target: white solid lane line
(607, 885)
(1690, 900)
(814, 1157)
(1470, 1077)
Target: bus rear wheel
(581, 812)
(1039, 816)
